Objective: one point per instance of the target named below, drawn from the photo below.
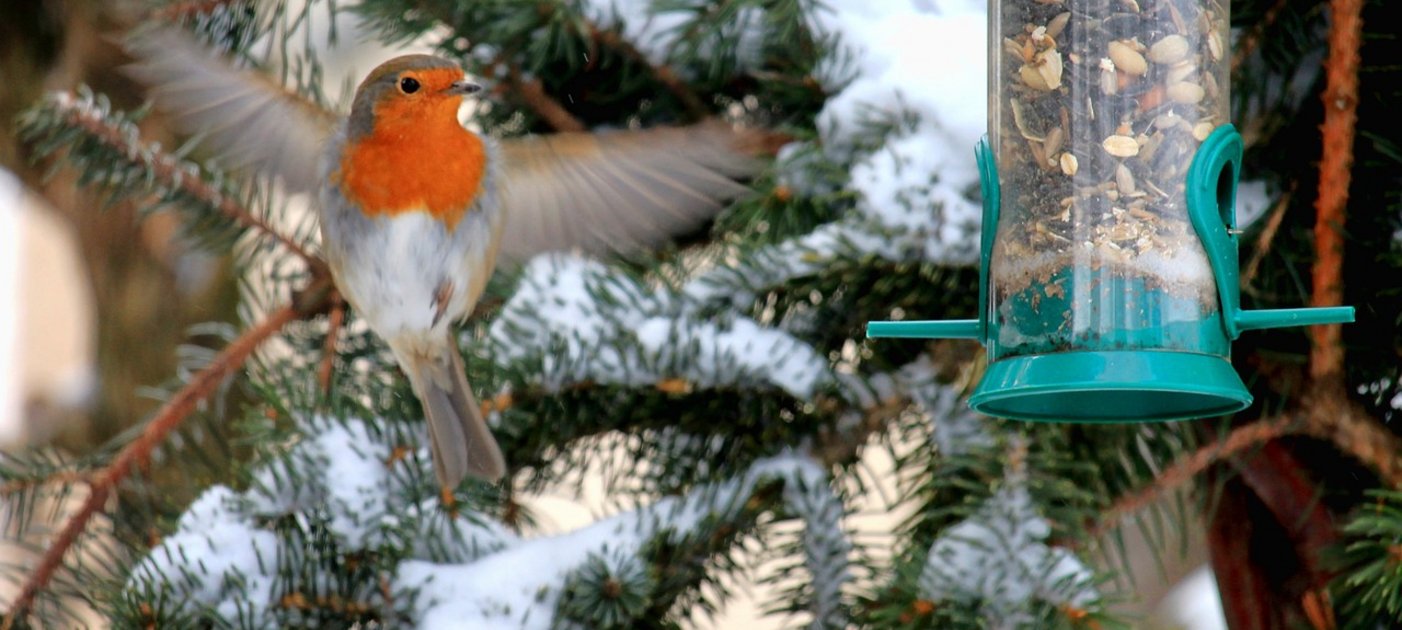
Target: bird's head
(408, 91)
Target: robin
(415, 208)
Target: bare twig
(662, 73)
(1344, 424)
(1267, 236)
(534, 96)
(1340, 116)
(1352, 430)
(138, 453)
(507, 400)
(182, 10)
(1189, 467)
(167, 170)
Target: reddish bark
(1340, 117)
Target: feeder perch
(1108, 280)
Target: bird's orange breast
(417, 158)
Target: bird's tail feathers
(463, 445)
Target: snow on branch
(998, 560)
(107, 148)
(809, 495)
(583, 322)
(217, 560)
(915, 187)
(898, 69)
(241, 556)
(346, 479)
(520, 587)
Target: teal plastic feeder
(1108, 286)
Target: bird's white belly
(393, 273)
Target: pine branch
(163, 169)
(532, 93)
(681, 562)
(809, 495)
(1340, 117)
(190, 8)
(507, 400)
(62, 476)
(664, 74)
(1371, 585)
(1251, 39)
(137, 454)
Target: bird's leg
(441, 297)
(448, 500)
(336, 317)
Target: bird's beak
(462, 87)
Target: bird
(416, 209)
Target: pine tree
(725, 383)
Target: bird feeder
(1108, 282)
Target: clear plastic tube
(1097, 109)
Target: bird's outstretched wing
(598, 192)
(618, 191)
(249, 120)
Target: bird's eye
(408, 85)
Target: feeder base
(1114, 386)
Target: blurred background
(94, 304)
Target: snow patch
(341, 465)
(520, 586)
(1252, 201)
(217, 558)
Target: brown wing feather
(247, 119)
(617, 191)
